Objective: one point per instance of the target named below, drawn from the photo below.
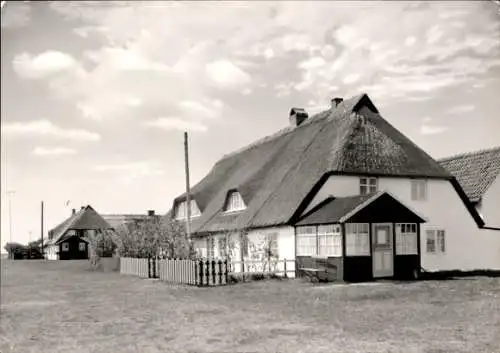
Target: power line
(9, 194)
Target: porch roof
(375, 207)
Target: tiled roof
(274, 175)
(85, 219)
(475, 171)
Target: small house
(69, 240)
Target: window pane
(363, 189)
(373, 182)
(441, 240)
(431, 241)
(222, 247)
(422, 191)
(273, 245)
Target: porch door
(382, 250)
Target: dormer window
(181, 210)
(234, 202)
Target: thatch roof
(85, 219)
(475, 171)
(277, 175)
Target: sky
(95, 96)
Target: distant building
(120, 220)
(68, 240)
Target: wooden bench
(317, 273)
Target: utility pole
(188, 189)
(41, 231)
(9, 194)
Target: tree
(102, 243)
(154, 237)
(16, 250)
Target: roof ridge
(283, 132)
(470, 154)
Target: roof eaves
(468, 204)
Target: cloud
(131, 171)
(198, 110)
(422, 50)
(172, 123)
(53, 151)
(351, 78)
(47, 128)
(44, 64)
(312, 63)
(432, 129)
(225, 73)
(461, 109)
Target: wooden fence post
(226, 271)
(200, 264)
(220, 271)
(284, 269)
(208, 272)
(214, 280)
(149, 267)
(243, 269)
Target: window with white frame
(210, 247)
(357, 239)
(329, 240)
(306, 241)
(81, 246)
(436, 241)
(234, 202)
(222, 247)
(367, 185)
(272, 244)
(65, 246)
(418, 189)
(181, 210)
(406, 239)
(244, 245)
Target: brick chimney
(297, 116)
(336, 101)
(151, 213)
(73, 211)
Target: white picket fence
(178, 271)
(134, 267)
(206, 272)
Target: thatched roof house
(277, 175)
(68, 241)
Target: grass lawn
(61, 307)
